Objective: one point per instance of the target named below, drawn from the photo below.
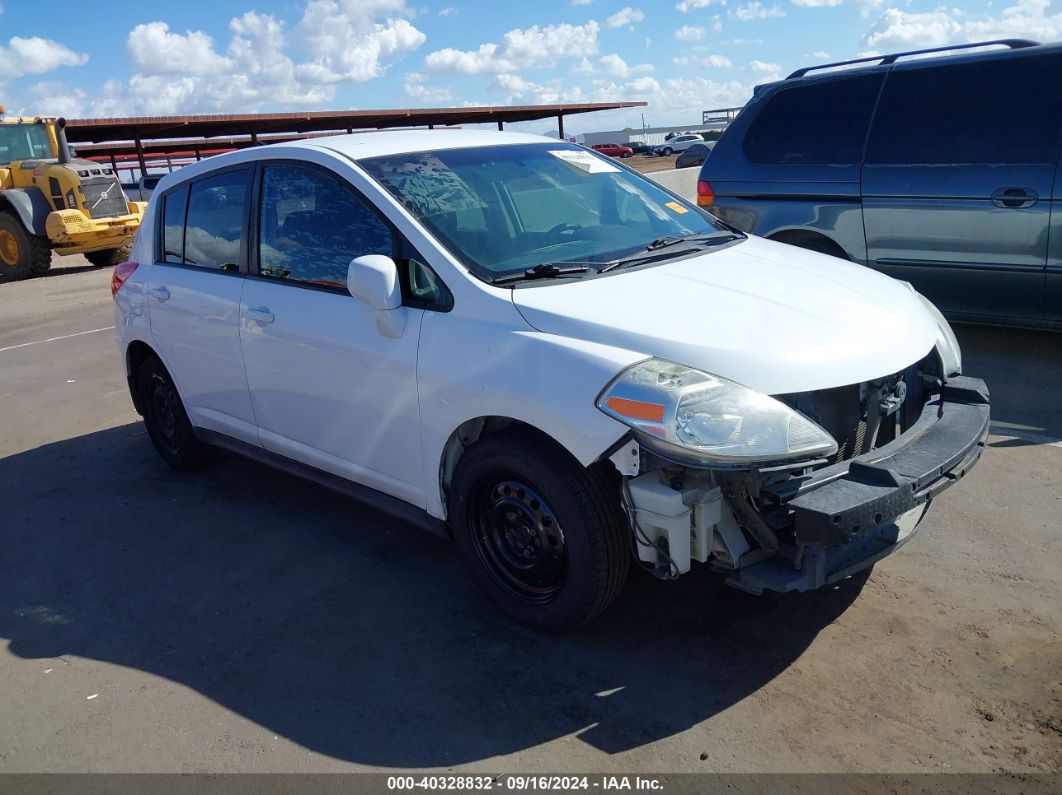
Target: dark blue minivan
(942, 171)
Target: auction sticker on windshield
(584, 161)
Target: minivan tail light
(122, 272)
(705, 194)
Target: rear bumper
(850, 515)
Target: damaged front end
(807, 514)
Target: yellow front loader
(50, 201)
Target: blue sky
(144, 58)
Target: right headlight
(696, 417)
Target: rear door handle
(1015, 198)
(160, 294)
(260, 315)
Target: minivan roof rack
(1014, 44)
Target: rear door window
(175, 204)
(822, 123)
(999, 110)
(217, 214)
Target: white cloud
(518, 89)
(715, 61)
(817, 3)
(625, 16)
(157, 51)
(764, 67)
(689, 33)
(348, 43)
(416, 89)
(690, 5)
(520, 48)
(900, 30)
(581, 2)
(448, 11)
(348, 40)
(615, 65)
(34, 56)
(60, 99)
(822, 55)
(717, 24)
(757, 10)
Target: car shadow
(346, 631)
(1023, 370)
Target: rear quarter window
(822, 123)
(1000, 110)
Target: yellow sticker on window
(676, 207)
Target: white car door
(328, 388)
(194, 299)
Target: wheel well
(135, 355)
(815, 241)
(470, 432)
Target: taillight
(705, 194)
(122, 271)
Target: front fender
(547, 381)
(30, 206)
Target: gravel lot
(237, 620)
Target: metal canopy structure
(152, 137)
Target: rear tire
(22, 255)
(166, 420)
(543, 536)
(110, 257)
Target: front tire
(22, 255)
(544, 537)
(166, 420)
(668, 152)
(110, 257)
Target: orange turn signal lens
(636, 409)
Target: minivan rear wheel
(544, 537)
(166, 420)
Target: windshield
(23, 142)
(504, 209)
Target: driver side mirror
(373, 280)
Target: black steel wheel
(543, 536)
(166, 420)
(518, 539)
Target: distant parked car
(640, 148)
(695, 155)
(941, 172)
(141, 190)
(680, 143)
(613, 150)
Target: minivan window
(216, 214)
(822, 123)
(312, 226)
(984, 111)
(502, 209)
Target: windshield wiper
(544, 270)
(655, 249)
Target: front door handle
(260, 315)
(160, 294)
(1014, 198)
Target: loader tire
(22, 254)
(110, 257)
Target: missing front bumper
(848, 516)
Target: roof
(205, 126)
(359, 146)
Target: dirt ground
(237, 620)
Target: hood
(773, 317)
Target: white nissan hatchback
(531, 349)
